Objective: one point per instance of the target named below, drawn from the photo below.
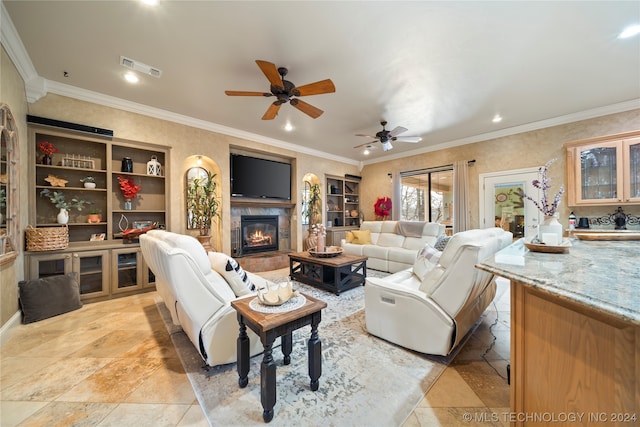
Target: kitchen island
(575, 333)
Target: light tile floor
(112, 363)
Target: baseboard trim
(7, 329)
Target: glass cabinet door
(599, 173)
(41, 266)
(632, 170)
(93, 274)
(127, 270)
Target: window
(432, 188)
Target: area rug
(365, 380)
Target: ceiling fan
(387, 136)
(286, 91)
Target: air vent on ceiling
(139, 66)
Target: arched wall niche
(190, 166)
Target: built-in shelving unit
(110, 266)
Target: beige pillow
(426, 260)
(349, 237)
(361, 237)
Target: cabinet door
(632, 170)
(93, 273)
(49, 265)
(599, 173)
(126, 270)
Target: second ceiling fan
(286, 91)
(385, 137)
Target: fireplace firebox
(258, 233)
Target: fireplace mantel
(264, 203)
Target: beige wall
(12, 93)
(524, 150)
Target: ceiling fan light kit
(285, 91)
(385, 137)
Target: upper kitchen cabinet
(604, 170)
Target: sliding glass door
(427, 195)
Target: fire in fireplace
(259, 233)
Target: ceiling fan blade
(306, 108)
(271, 72)
(365, 144)
(398, 130)
(317, 88)
(246, 93)
(272, 111)
(409, 139)
(367, 136)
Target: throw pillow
(349, 237)
(427, 258)
(235, 276)
(48, 296)
(441, 242)
(361, 237)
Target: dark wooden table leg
(315, 353)
(243, 354)
(287, 345)
(268, 379)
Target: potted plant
(312, 206)
(203, 205)
(129, 191)
(59, 201)
(89, 182)
(94, 216)
(47, 149)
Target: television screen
(260, 178)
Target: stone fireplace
(258, 233)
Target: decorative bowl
(329, 252)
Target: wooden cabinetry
(343, 202)
(108, 267)
(604, 170)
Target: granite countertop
(600, 275)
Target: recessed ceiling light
(630, 31)
(131, 77)
(288, 127)
(366, 151)
(497, 118)
(150, 2)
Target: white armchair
(198, 298)
(431, 315)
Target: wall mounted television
(260, 178)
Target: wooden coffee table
(269, 326)
(334, 274)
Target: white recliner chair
(198, 298)
(431, 315)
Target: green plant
(59, 201)
(95, 211)
(202, 202)
(3, 198)
(312, 204)
(88, 179)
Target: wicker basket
(47, 238)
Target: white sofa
(432, 315)
(394, 244)
(198, 297)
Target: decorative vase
(128, 205)
(205, 241)
(310, 241)
(93, 218)
(320, 243)
(46, 160)
(63, 216)
(550, 231)
(127, 165)
(89, 185)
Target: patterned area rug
(365, 380)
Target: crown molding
(133, 107)
(621, 107)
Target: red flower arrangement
(47, 148)
(128, 188)
(382, 207)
